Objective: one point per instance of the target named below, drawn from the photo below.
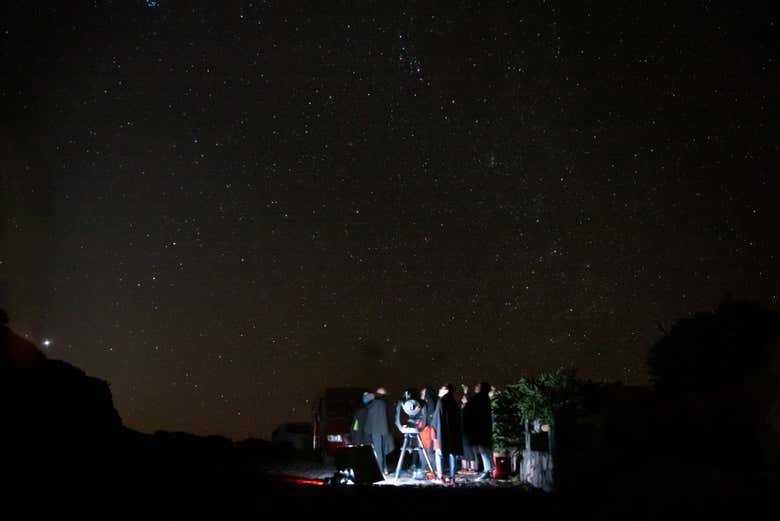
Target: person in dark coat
(470, 454)
(428, 396)
(479, 428)
(446, 424)
(377, 429)
(358, 430)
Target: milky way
(223, 207)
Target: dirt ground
(628, 496)
(391, 498)
(315, 470)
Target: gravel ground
(314, 470)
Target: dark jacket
(377, 423)
(446, 423)
(478, 424)
(430, 405)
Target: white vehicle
(296, 435)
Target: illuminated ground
(314, 470)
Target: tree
(711, 349)
(526, 402)
(529, 400)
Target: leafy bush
(531, 399)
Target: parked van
(333, 413)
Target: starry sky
(222, 208)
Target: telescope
(412, 439)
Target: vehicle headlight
(334, 438)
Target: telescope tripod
(405, 448)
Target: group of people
(436, 427)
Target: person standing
(480, 428)
(470, 456)
(428, 397)
(359, 436)
(377, 429)
(449, 438)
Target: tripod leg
(425, 452)
(401, 458)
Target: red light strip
(297, 481)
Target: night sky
(224, 207)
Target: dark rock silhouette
(52, 412)
(17, 352)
